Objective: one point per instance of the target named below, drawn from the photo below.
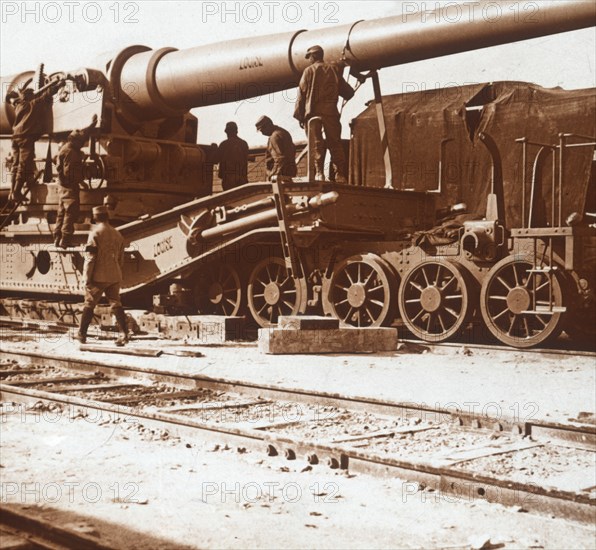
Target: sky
(68, 35)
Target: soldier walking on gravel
(70, 176)
(318, 92)
(280, 158)
(103, 273)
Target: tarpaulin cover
(433, 139)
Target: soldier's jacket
(29, 115)
(280, 158)
(233, 162)
(105, 255)
(70, 166)
(320, 86)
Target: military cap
(313, 49)
(76, 135)
(109, 200)
(231, 126)
(98, 210)
(263, 121)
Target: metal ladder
(290, 253)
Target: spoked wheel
(362, 291)
(219, 291)
(522, 307)
(272, 292)
(434, 300)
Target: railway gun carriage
(472, 204)
(516, 252)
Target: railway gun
(470, 209)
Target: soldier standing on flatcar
(232, 156)
(281, 151)
(29, 118)
(103, 273)
(318, 92)
(70, 176)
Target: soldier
(111, 203)
(70, 176)
(319, 89)
(103, 273)
(281, 151)
(28, 127)
(232, 155)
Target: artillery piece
(287, 246)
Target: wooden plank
(124, 350)
(214, 406)
(384, 433)
(164, 395)
(6, 373)
(92, 387)
(55, 380)
(456, 456)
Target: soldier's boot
(13, 186)
(340, 176)
(17, 193)
(319, 171)
(122, 325)
(57, 238)
(65, 241)
(86, 318)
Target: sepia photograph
(298, 274)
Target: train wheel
(362, 291)
(516, 301)
(272, 292)
(434, 300)
(219, 291)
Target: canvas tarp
(434, 141)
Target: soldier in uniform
(29, 118)
(232, 155)
(318, 92)
(111, 203)
(280, 158)
(70, 176)
(103, 273)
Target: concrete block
(205, 329)
(307, 322)
(276, 341)
(216, 329)
(186, 326)
(150, 323)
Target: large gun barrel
(146, 84)
(168, 82)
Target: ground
(137, 489)
(517, 383)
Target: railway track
(534, 465)
(19, 529)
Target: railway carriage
(465, 207)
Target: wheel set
(266, 291)
(435, 300)
(521, 305)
